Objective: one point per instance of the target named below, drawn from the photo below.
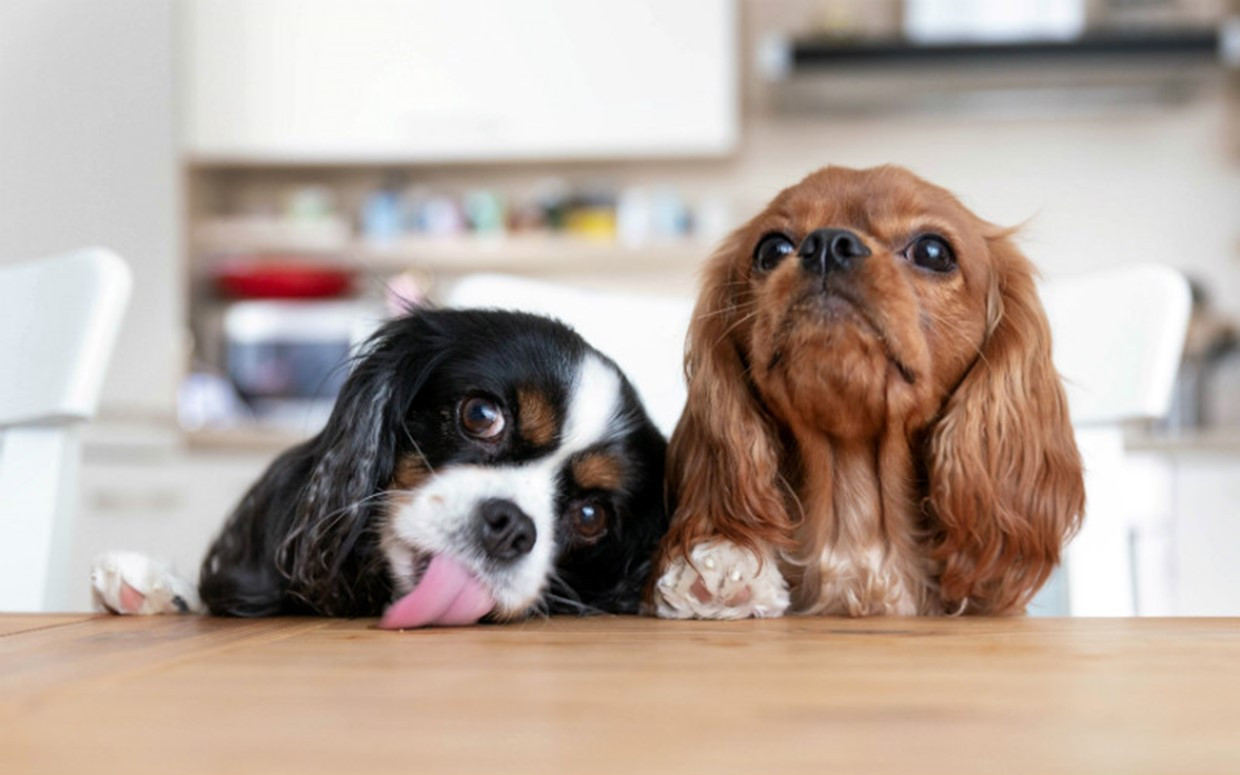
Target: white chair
(59, 319)
(1118, 338)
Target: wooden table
(619, 695)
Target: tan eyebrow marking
(537, 418)
(411, 471)
(598, 471)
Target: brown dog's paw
(723, 581)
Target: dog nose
(829, 250)
(507, 531)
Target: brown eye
(481, 418)
(932, 252)
(589, 519)
(771, 250)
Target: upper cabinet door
(457, 80)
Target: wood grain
(11, 624)
(622, 695)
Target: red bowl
(281, 280)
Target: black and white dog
(476, 464)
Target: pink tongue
(447, 595)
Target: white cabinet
(1161, 530)
(1207, 534)
(419, 80)
(1180, 505)
(168, 504)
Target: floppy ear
(723, 472)
(1005, 481)
(303, 538)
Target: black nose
(506, 531)
(829, 250)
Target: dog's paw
(131, 583)
(723, 581)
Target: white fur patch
(863, 582)
(438, 516)
(592, 408)
(132, 583)
(724, 581)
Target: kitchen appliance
(289, 359)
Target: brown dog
(874, 424)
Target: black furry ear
(352, 467)
(304, 538)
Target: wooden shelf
(262, 234)
(243, 438)
(505, 253)
(529, 253)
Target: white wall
(87, 156)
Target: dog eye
(481, 418)
(589, 519)
(771, 250)
(932, 252)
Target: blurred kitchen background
(281, 174)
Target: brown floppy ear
(1005, 481)
(723, 458)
